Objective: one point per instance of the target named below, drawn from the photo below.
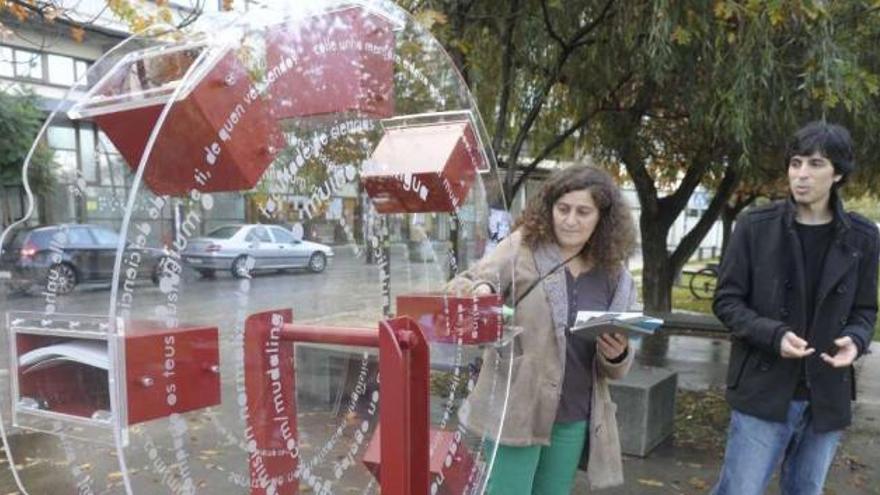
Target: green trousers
(539, 469)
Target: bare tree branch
(586, 30)
(506, 76)
(677, 201)
(561, 138)
(549, 25)
(692, 239)
(568, 49)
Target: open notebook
(591, 324)
(88, 352)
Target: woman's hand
(613, 345)
(482, 289)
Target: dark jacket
(761, 294)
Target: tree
(136, 14)
(20, 122)
(677, 94)
(724, 87)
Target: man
(798, 291)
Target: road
(207, 450)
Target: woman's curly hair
(614, 239)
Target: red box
(339, 61)
(166, 371)
(446, 318)
(220, 136)
(170, 370)
(423, 168)
(450, 460)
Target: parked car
(244, 249)
(60, 257)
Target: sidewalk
(679, 466)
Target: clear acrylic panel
(203, 308)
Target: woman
(566, 255)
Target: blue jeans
(756, 446)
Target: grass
(683, 299)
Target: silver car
(244, 249)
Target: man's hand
(612, 345)
(793, 346)
(847, 352)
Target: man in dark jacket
(798, 291)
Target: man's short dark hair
(832, 140)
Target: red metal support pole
(271, 398)
(403, 416)
(353, 336)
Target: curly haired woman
(566, 254)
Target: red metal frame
(403, 388)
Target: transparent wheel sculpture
(276, 204)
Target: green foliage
(678, 94)
(684, 300)
(728, 79)
(20, 122)
(865, 205)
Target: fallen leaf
(651, 482)
(699, 483)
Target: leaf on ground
(699, 483)
(651, 482)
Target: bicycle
(703, 282)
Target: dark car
(60, 257)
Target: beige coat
(536, 364)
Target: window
(87, 156)
(223, 232)
(62, 140)
(258, 234)
(42, 238)
(241, 6)
(7, 62)
(61, 70)
(80, 68)
(282, 235)
(47, 67)
(105, 237)
(62, 137)
(79, 236)
(28, 64)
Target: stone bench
(645, 408)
